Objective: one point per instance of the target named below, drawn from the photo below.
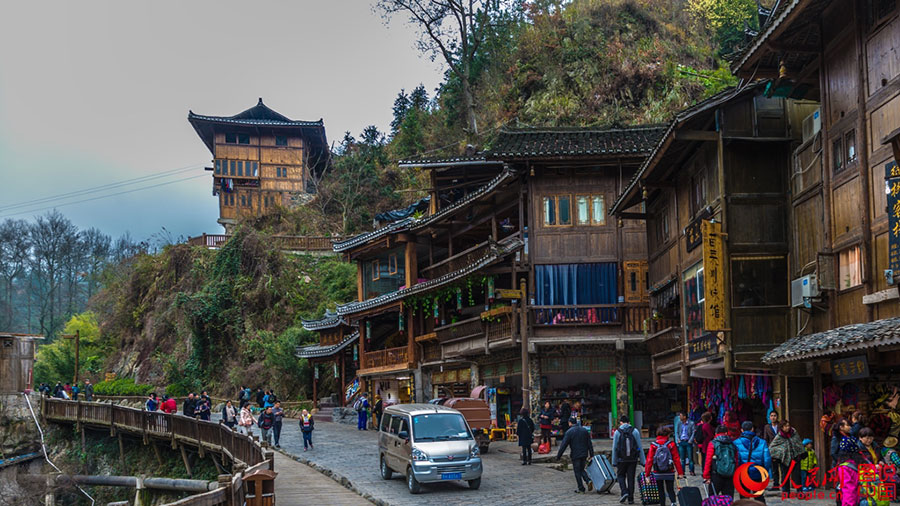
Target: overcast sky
(93, 93)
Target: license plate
(451, 476)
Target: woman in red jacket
(663, 461)
(721, 484)
(734, 426)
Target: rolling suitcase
(689, 496)
(601, 473)
(646, 484)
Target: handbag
(544, 448)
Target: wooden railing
(634, 317)
(285, 242)
(499, 324)
(431, 351)
(385, 358)
(660, 324)
(630, 316)
(456, 262)
(246, 453)
(470, 327)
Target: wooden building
(336, 338)
(261, 159)
(516, 279)
(845, 244)
(17, 362)
(714, 194)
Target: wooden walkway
(300, 484)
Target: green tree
(55, 361)
(726, 19)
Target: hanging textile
(573, 284)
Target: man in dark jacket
(266, 422)
(769, 432)
(88, 391)
(260, 397)
(189, 407)
(578, 439)
(626, 453)
(525, 435)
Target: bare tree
(49, 235)
(453, 29)
(98, 247)
(14, 251)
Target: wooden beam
(696, 135)
(187, 464)
(159, 459)
(122, 454)
(884, 295)
(893, 139)
(633, 216)
(792, 48)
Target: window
(386, 423)
(233, 163)
(850, 270)
(243, 201)
(564, 205)
(231, 138)
(243, 138)
(693, 300)
(662, 226)
(218, 166)
(698, 192)
(254, 169)
(759, 281)
(598, 210)
(376, 272)
(837, 156)
(850, 146)
(636, 281)
(549, 211)
(240, 168)
(280, 140)
(392, 263)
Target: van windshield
(440, 427)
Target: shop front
(393, 389)
(451, 382)
(503, 381)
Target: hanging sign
(850, 368)
(504, 293)
(714, 277)
(892, 190)
(703, 346)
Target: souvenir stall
(749, 396)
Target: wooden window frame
(232, 136)
(859, 267)
(218, 166)
(588, 200)
(392, 264)
(602, 198)
(240, 168)
(591, 222)
(838, 164)
(243, 137)
(848, 161)
(544, 221)
(376, 269)
(556, 209)
(281, 137)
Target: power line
(104, 196)
(95, 189)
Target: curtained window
(576, 284)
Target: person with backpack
(753, 449)
(685, 440)
(578, 439)
(266, 422)
(626, 453)
(75, 391)
(525, 435)
(720, 463)
(785, 447)
(307, 425)
(810, 461)
(362, 412)
(663, 461)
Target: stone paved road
(352, 456)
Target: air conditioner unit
(803, 289)
(812, 124)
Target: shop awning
(319, 351)
(858, 336)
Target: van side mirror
(403, 435)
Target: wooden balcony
(431, 351)
(500, 324)
(387, 360)
(630, 316)
(455, 262)
(464, 329)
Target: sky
(97, 92)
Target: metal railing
(246, 453)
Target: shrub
(122, 386)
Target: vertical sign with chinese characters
(892, 187)
(714, 274)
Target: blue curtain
(571, 284)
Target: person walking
(720, 463)
(730, 421)
(362, 412)
(545, 420)
(786, 447)
(152, 404)
(169, 405)
(266, 422)
(703, 435)
(189, 408)
(525, 435)
(279, 416)
(848, 459)
(204, 408)
(377, 410)
(260, 397)
(75, 392)
(229, 415)
(626, 453)
(753, 449)
(88, 391)
(579, 440)
(565, 409)
(307, 425)
(769, 433)
(685, 439)
(663, 461)
(245, 422)
(808, 462)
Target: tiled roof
(328, 321)
(858, 336)
(316, 350)
(413, 224)
(782, 10)
(574, 142)
(496, 251)
(681, 117)
(260, 114)
(478, 158)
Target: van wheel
(412, 483)
(474, 484)
(386, 472)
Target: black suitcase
(689, 496)
(601, 473)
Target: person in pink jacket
(245, 423)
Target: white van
(427, 443)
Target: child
(808, 461)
